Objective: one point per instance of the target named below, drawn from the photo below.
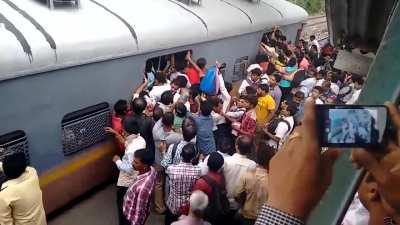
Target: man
(198, 203)
(284, 126)
(180, 67)
(204, 123)
(358, 84)
(226, 149)
(314, 41)
(236, 166)
(145, 123)
(137, 199)
(121, 110)
(196, 69)
(265, 106)
(213, 181)
(252, 80)
(160, 86)
(162, 132)
(172, 156)
(127, 175)
(20, 195)
(253, 186)
(274, 89)
(316, 92)
(181, 180)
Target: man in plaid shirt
(137, 199)
(182, 177)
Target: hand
(188, 56)
(297, 189)
(162, 147)
(116, 158)
(385, 167)
(110, 130)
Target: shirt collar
(148, 173)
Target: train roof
(36, 39)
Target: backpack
(218, 206)
(173, 153)
(273, 124)
(208, 84)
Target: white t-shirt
(354, 98)
(282, 131)
(218, 119)
(157, 91)
(307, 85)
(319, 102)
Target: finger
(394, 114)
(370, 163)
(309, 128)
(328, 159)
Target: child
(205, 138)
(180, 114)
(248, 122)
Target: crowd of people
(201, 156)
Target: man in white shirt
(314, 41)
(284, 127)
(236, 165)
(253, 79)
(160, 86)
(316, 93)
(358, 84)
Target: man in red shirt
(121, 110)
(196, 70)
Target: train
(62, 67)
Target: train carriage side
(41, 103)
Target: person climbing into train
(253, 79)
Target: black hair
(319, 88)
(216, 101)
(252, 99)
(281, 58)
(188, 152)
(256, 71)
(189, 129)
(194, 90)
(180, 109)
(277, 76)
(180, 65)
(292, 62)
(139, 105)
(264, 154)
(357, 79)
(167, 97)
(120, 107)
(250, 90)
(206, 107)
(287, 52)
(299, 94)
(312, 37)
(131, 125)
(149, 66)
(201, 62)
(226, 145)
(244, 144)
(215, 161)
(228, 86)
(157, 113)
(292, 108)
(14, 165)
(160, 77)
(168, 119)
(264, 87)
(262, 58)
(180, 81)
(145, 156)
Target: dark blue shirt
(205, 136)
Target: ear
(373, 193)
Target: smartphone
(351, 125)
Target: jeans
(121, 191)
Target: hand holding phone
(351, 125)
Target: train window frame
(13, 142)
(162, 60)
(239, 68)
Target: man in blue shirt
(204, 122)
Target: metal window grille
(239, 69)
(14, 142)
(85, 127)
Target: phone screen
(351, 126)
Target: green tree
(312, 6)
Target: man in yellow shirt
(20, 196)
(266, 105)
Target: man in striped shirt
(136, 205)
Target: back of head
(189, 129)
(180, 110)
(252, 99)
(216, 101)
(262, 58)
(180, 81)
(201, 62)
(312, 37)
(228, 86)
(264, 154)
(145, 156)
(250, 90)
(167, 97)
(292, 62)
(160, 78)
(131, 125)
(157, 113)
(291, 108)
(206, 107)
(244, 144)
(215, 161)
(180, 65)
(198, 203)
(14, 165)
(188, 152)
(139, 105)
(121, 107)
(226, 145)
(277, 77)
(168, 119)
(264, 87)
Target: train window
(164, 62)
(13, 142)
(239, 69)
(85, 127)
